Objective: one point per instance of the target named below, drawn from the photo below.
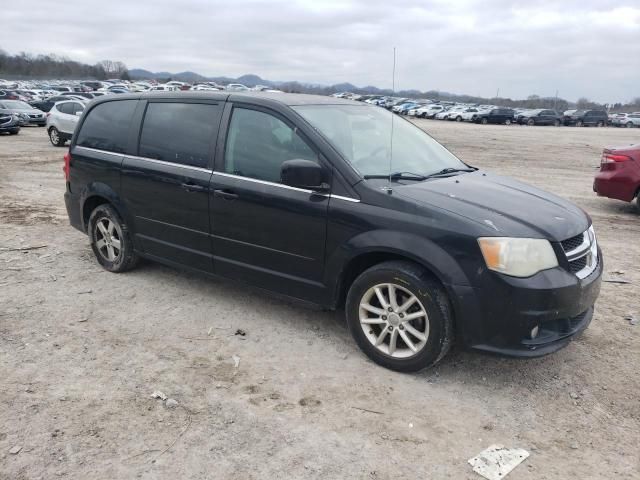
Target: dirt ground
(82, 350)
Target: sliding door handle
(226, 194)
(192, 187)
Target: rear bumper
(620, 184)
(499, 316)
(72, 202)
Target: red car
(619, 175)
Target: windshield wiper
(449, 170)
(398, 176)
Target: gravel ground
(82, 350)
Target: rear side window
(76, 107)
(64, 108)
(107, 126)
(179, 132)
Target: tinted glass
(179, 132)
(64, 108)
(107, 126)
(258, 144)
(76, 107)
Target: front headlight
(518, 257)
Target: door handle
(192, 187)
(227, 195)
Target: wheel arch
(96, 194)
(372, 248)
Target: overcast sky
(587, 48)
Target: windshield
(17, 104)
(362, 134)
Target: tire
(507, 121)
(409, 280)
(121, 256)
(600, 124)
(55, 137)
(556, 123)
(484, 121)
(458, 118)
(531, 122)
(629, 125)
(14, 132)
(579, 123)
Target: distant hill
(251, 80)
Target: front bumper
(499, 316)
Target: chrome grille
(578, 264)
(582, 253)
(572, 243)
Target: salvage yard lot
(82, 350)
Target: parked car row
(39, 91)
(467, 112)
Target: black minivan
(340, 204)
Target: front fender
(411, 246)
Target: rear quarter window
(107, 126)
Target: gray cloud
(580, 47)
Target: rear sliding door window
(107, 126)
(179, 132)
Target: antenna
(393, 90)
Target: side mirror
(303, 174)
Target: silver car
(62, 120)
(28, 114)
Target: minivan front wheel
(110, 240)
(400, 316)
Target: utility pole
(498, 93)
(555, 102)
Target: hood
(24, 110)
(502, 206)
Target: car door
(64, 117)
(165, 183)
(75, 111)
(264, 232)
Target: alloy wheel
(108, 239)
(394, 320)
(53, 135)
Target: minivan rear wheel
(110, 240)
(55, 137)
(400, 316)
(484, 121)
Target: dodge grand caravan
(339, 204)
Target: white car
(628, 120)
(443, 114)
(464, 115)
(62, 120)
(237, 87)
(430, 111)
(164, 88)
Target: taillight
(67, 162)
(613, 158)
